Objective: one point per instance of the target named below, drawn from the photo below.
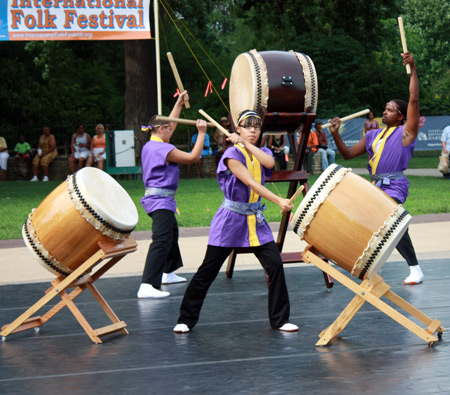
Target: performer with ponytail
(390, 150)
(239, 222)
(160, 175)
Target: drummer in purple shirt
(390, 150)
(160, 174)
(239, 222)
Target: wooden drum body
(64, 231)
(350, 221)
(280, 82)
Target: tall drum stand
(106, 257)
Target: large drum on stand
(350, 221)
(64, 231)
(284, 84)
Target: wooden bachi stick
(348, 117)
(217, 125)
(177, 77)
(181, 120)
(403, 38)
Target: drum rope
(195, 57)
(197, 42)
(39, 253)
(383, 241)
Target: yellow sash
(255, 170)
(373, 162)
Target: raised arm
(411, 128)
(176, 110)
(347, 153)
(242, 173)
(178, 156)
(265, 159)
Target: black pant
(280, 157)
(164, 253)
(270, 259)
(406, 248)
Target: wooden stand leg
(371, 291)
(75, 279)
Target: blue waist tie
(154, 191)
(246, 209)
(385, 178)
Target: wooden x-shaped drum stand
(372, 291)
(113, 252)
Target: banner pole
(158, 59)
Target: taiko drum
(65, 229)
(350, 221)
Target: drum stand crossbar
(372, 290)
(113, 252)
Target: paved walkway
(408, 172)
(428, 232)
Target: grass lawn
(197, 200)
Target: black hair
(370, 111)
(402, 107)
(253, 118)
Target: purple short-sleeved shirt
(395, 157)
(157, 172)
(230, 229)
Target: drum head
(107, 198)
(315, 196)
(243, 86)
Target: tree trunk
(140, 87)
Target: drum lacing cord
(383, 241)
(314, 197)
(313, 81)
(38, 252)
(258, 81)
(92, 211)
(166, 6)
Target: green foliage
(354, 44)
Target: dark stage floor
(233, 349)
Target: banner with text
(26, 20)
(429, 138)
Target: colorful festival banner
(26, 20)
(429, 138)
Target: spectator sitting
(46, 153)
(98, 148)
(276, 144)
(3, 158)
(81, 148)
(23, 152)
(326, 153)
(205, 152)
(311, 148)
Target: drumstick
(403, 38)
(181, 120)
(295, 195)
(217, 125)
(348, 117)
(177, 77)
